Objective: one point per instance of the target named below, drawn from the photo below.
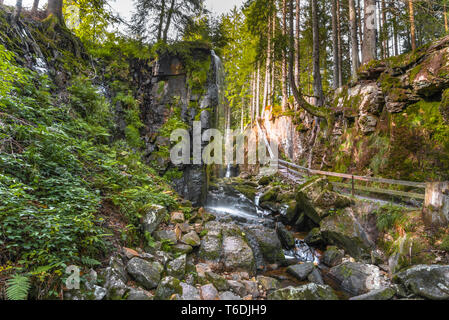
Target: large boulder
(266, 242)
(177, 267)
(237, 255)
(286, 237)
(210, 248)
(153, 217)
(311, 291)
(189, 292)
(378, 294)
(147, 274)
(333, 256)
(301, 271)
(344, 230)
(358, 278)
(427, 281)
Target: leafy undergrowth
(59, 170)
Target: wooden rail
(289, 166)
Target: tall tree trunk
(169, 19)
(55, 8)
(395, 29)
(369, 38)
(411, 12)
(336, 56)
(17, 10)
(354, 40)
(446, 25)
(359, 24)
(35, 7)
(385, 33)
(317, 84)
(284, 57)
(339, 47)
(298, 44)
(258, 91)
(161, 21)
(242, 113)
(267, 86)
(273, 63)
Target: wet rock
(177, 267)
(208, 292)
(427, 281)
(116, 278)
(153, 217)
(379, 294)
(99, 293)
(168, 287)
(148, 274)
(301, 271)
(358, 278)
(218, 281)
(251, 288)
(237, 255)
(228, 296)
(189, 292)
(314, 238)
(268, 244)
(333, 256)
(267, 283)
(367, 123)
(315, 276)
(264, 181)
(311, 291)
(191, 239)
(165, 235)
(286, 237)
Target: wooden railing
(353, 178)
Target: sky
(124, 7)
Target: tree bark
(317, 83)
(35, 7)
(169, 19)
(161, 21)
(339, 47)
(354, 41)
(369, 38)
(55, 8)
(446, 25)
(298, 44)
(17, 10)
(267, 82)
(258, 91)
(385, 33)
(284, 57)
(359, 24)
(336, 56)
(411, 12)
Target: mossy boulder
(267, 243)
(168, 287)
(333, 256)
(311, 291)
(378, 294)
(343, 229)
(266, 180)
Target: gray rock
(152, 219)
(268, 244)
(177, 267)
(301, 271)
(237, 287)
(210, 248)
(218, 281)
(427, 281)
(286, 237)
(99, 292)
(189, 292)
(333, 256)
(148, 274)
(237, 255)
(138, 295)
(251, 288)
(311, 291)
(165, 235)
(209, 292)
(379, 294)
(228, 296)
(358, 278)
(182, 248)
(267, 283)
(191, 239)
(315, 276)
(168, 287)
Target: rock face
(436, 204)
(358, 278)
(148, 274)
(266, 242)
(237, 255)
(311, 291)
(427, 281)
(153, 218)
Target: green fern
(90, 261)
(18, 287)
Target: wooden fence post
(436, 204)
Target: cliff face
(393, 122)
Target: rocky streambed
(257, 238)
